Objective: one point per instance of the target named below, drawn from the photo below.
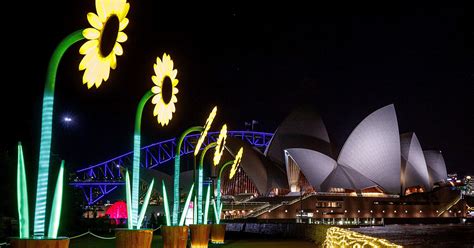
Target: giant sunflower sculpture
(220, 145)
(101, 51)
(165, 89)
(207, 126)
(236, 163)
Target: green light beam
(206, 209)
(145, 204)
(22, 196)
(165, 202)
(128, 198)
(186, 206)
(56, 207)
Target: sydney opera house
(378, 174)
(299, 175)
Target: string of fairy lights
(338, 237)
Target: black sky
(254, 62)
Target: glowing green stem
(200, 180)
(177, 170)
(166, 205)
(216, 212)
(22, 196)
(206, 209)
(46, 131)
(218, 197)
(145, 204)
(57, 202)
(136, 158)
(129, 198)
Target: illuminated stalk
(216, 212)
(129, 198)
(206, 209)
(195, 211)
(177, 170)
(186, 206)
(145, 204)
(46, 131)
(200, 181)
(56, 208)
(22, 196)
(166, 205)
(136, 158)
(218, 197)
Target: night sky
(255, 63)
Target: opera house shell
(375, 158)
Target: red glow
(117, 211)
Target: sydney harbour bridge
(99, 180)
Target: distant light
(371, 211)
(383, 211)
(67, 119)
(421, 211)
(358, 211)
(345, 211)
(468, 177)
(286, 211)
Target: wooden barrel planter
(200, 235)
(140, 238)
(218, 233)
(60, 242)
(175, 236)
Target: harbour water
(423, 235)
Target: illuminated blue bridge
(97, 181)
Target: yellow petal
(94, 21)
(172, 107)
(100, 7)
(125, 9)
(155, 80)
(158, 72)
(156, 90)
(174, 99)
(87, 61)
(118, 49)
(88, 45)
(123, 24)
(108, 7)
(105, 70)
(91, 33)
(156, 98)
(173, 74)
(113, 60)
(174, 82)
(121, 37)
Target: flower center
(109, 35)
(167, 90)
